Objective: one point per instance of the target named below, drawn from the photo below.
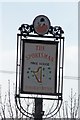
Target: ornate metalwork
(56, 33)
(58, 95)
(26, 29)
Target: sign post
(39, 66)
(38, 109)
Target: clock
(41, 24)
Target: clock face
(41, 24)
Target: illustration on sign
(38, 74)
(41, 24)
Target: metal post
(38, 109)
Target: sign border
(22, 66)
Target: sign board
(39, 67)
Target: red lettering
(40, 55)
(40, 47)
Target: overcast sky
(64, 14)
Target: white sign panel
(39, 67)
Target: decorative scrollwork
(25, 29)
(56, 31)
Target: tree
(8, 107)
(70, 108)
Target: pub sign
(39, 67)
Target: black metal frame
(56, 35)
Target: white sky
(64, 14)
(39, 1)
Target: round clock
(41, 24)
